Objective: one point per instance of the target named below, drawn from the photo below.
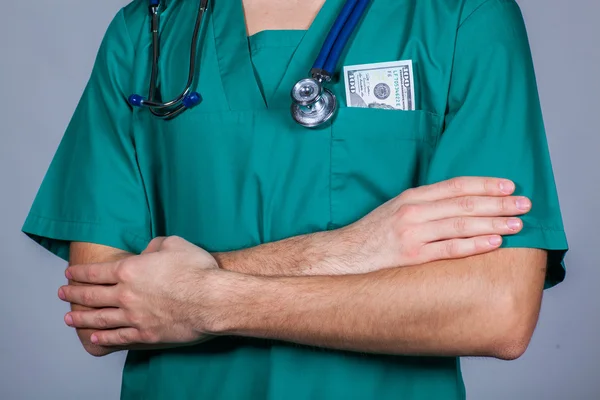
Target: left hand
(162, 296)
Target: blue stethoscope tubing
(339, 35)
(310, 111)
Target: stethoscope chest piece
(312, 104)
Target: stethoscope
(312, 103)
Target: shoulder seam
(473, 12)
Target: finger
(460, 248)
(466, 227)
(462, 186)
(473, 206)
(154, 245)
(98, 273)
(105, 318)
(116, 337)
(90, 296)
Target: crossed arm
(482, 305)
(485, 305)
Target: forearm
(467, 307)
(305, 255)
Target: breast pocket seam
(417, 127)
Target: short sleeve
(494, 126)
(93, 190)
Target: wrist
(226, 260)
(231, 299)
(313, 257)
(343, 252)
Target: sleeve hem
(552, 240)
(55, 235)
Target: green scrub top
(237, 171)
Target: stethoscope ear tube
(344, 36)
(187, 98)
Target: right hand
(452, 219)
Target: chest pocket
(376, 154)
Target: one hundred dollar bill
(382, 85)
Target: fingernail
(68, 274)
(507, 187)
(61, 294)
(514, 224)
(69, 319)
(94, 339)
(523, 204)
(495, 240)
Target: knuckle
(124, 271)
(403, 237)
(149, 337)
(91, 274)
(135, 320)
(451, 248)
(408, 194)
(460, 225)
(456, 185)
(407, 211)
(155, 241)
(87, 297)
(125, 298)
(413, 252)
(503, 205)
(467, 204)
(488, 185)
(101, 321)
(171, 241)
(122, 336)
(406, 236)
(403, 232)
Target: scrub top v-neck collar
(233, 53)
(271, 52)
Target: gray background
(47, 51)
